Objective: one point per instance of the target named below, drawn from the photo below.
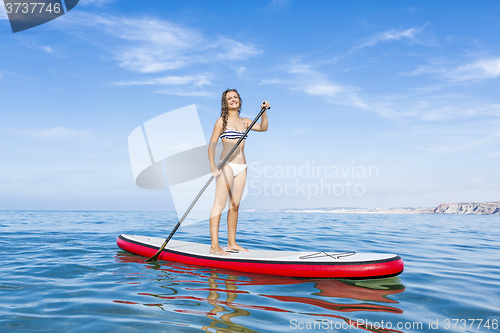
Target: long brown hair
(224, 113)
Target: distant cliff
(482, 208)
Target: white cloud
(390, 35)
(150, 45)
(448, 109)
(314, 83)
(422, 105)
(237, 50)
(47, 48)
(428, 107)
(297, 67)
(423, 70)
(323, 88)
(147, 60)
(240, 71)
(44, 48)
(198, 81)
(481, 69)
(155, 45)
(272, 81)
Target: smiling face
(232, 100)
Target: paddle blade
(155, 257)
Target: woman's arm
(211, 147)
(262, 127)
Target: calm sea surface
(62, 272)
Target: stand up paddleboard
(347, 265)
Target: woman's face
(232, 100)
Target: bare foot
(219, 251)
(236, 247)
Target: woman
(230, 181)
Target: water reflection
(222, 295)
(231, 294)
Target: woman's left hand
(266, 104)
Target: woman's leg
(232, 213)
(222, 188)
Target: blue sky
(408, 90)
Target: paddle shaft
(157, 255)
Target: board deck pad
(284, 263)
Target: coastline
(410, 210)
(469, 208)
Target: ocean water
(61, 271)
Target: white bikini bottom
(237, 168)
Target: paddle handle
(157, 255)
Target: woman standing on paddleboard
(231, 179)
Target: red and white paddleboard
(347, 265)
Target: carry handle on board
(221, 165)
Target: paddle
(157, 255)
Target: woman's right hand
(215, 171)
